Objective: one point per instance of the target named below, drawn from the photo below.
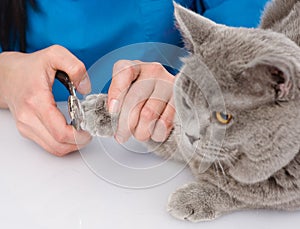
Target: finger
(164, 125)
(40, 135)
(153, 109)
(124, 73)
(51, 145)
(62, 59)
(134, 100)
(149, 115)
(57, 126)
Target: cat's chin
(208, 155)
(192, 151)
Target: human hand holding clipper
(26, 90)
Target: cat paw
(197, 202)
(98, 121)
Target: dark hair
(13, 22)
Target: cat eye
(223, 118)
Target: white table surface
(38, 190)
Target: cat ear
(275, 73)
(279, 74)
(194, 28)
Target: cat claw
(186, 204)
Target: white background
(38, 190)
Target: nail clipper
(75, 109)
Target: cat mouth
(208, 152)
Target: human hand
(143, 94)
(26, 89)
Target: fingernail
(113, 106)
(84, 86)
(120, 139)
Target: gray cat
(237, 124)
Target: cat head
(237, 97)
(283, 16)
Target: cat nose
(191, 138)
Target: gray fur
(253, 74)
(98, 121)
(283, 16)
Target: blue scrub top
(96, 30)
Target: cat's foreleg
(98, 121)
(201, 201)
(168, 149)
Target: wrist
(3, 73)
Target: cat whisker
(229, 162)
(218, 180)
(231, 159)
(213, 154)
(222, 169)
(217, 171)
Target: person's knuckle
(21, 128)
(148, 113)
(21, 117)
(60, 136)
(30, 102)
(56, 153)
(52, 51)
(126, 68)
(76, 68)
(167, 121)
(118, 63)
(158, 66)
(157, 69)
(62, 150)
(169, 125)
(55, 48)
(129, 71)
(121, 64)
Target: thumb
(62, 59)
